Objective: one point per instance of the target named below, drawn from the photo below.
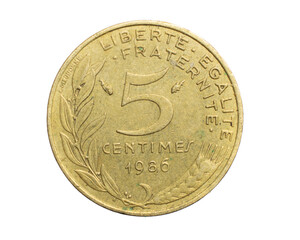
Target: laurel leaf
(83, 113)
(80, 72)
(106, 87)
(177, 86)
(90, 180)
(109, 183)
(66, 116)
(71, 152)
(92, 128)
(86, 88)
(98, 67)
(93, 156)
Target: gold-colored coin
(144, 118)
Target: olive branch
(79, 143)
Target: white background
(258, 198)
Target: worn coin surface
(144, 118)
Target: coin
(144, 118)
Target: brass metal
(144, 118)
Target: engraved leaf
(86, 88)
(109, 183)
(98, 67)
(79, 73)
(177, 86)
(83, 113)
(91, 128)
(91, 180)
(71, 152)
(106, 87)
(66, 116)
(93, 156)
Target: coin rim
(198, 196)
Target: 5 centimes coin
(144, 118)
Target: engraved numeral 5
(164, 104)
